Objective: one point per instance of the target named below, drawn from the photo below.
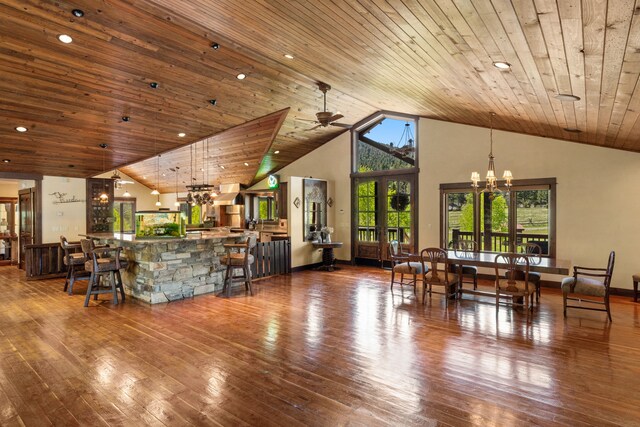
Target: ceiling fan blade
(341, 125)
(315, 127)
(336, 117)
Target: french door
(27, 220)
(385, 209)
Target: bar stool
(236, 259)
(74, 262)
(103, 263)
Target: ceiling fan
(118, 181)
(327, 118)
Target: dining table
(537, 263)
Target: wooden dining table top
(487, 259)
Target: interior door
(385, 210)
(27, 225)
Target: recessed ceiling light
(154, 85)
(276, 152)
(213, 101)
(288, 56)
(246, 164)
(77, 13)
(72, 166)
(125, 118)
(502, 65)
(182, 134)
(567, 97)
(21, 129)
(6, 160)
(103, 145)
(215, 46)
(221, 167)
(164, 175)
(144, 177)
(572, 130)
(65, 38)
(241, 76)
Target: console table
(328, 258)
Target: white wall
(68, 219)
(145, 201)
(330, 162)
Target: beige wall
(596, 191)
(9, 188)
(145, 201)
(330, 162)
(596, 204)
(68, 219)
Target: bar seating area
(358, 213)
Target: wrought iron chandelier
(405, 146)
(491, 178)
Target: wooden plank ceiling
(232, 156)
(427, 57)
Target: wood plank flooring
(313, 348)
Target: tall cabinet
(99, 211)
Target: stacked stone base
(169, 271)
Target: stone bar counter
(169, 269)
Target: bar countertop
(131, 237)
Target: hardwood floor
(313, 348)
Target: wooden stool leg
(248, 279)
(120, 284)
(89, 288)
(635, 291)
(393, 276)
(72, 278)
(66, 280)
(114, 291)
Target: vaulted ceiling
(432, 58)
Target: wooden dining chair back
(436, 272)
(401, 265)
(591, 282)
(534, 252)
(469, 272)
(514, 285)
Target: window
(387, 143)
(266, 208)
(500, 222)
(124, 215)
(193, 214)
(367, 212)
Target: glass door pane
(399, 206)
(494, 222)
(367, 212)
(459, 218)
(532, 217)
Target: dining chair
(509, 287)
(592, 282)
(436, 272)
(104, 263)
(534, 252)
(401, 264)
(468, 271)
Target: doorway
(385, 209)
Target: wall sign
(61, 198)
(273, 181)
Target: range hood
(229, 195)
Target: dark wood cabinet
(99, 211)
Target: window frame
(119, 201)
(518, 185)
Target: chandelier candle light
(492, 180)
